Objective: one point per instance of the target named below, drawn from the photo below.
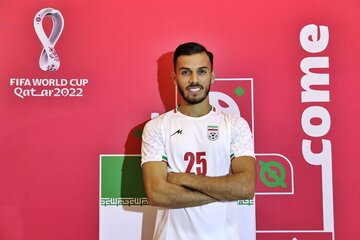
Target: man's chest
(201, 147)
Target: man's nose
(194, 78)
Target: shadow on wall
(165, 83)
(131, 177)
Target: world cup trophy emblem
(49, 59)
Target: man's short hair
(191, 48)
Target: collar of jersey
(212, 109)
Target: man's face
(193, 76)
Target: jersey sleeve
(242, 143)
(152, 146)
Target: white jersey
(205, 146)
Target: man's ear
(212, 77)
(173, 77)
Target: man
(196, 161)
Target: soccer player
(197, 161)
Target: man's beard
(194, 100)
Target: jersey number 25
(199, 160)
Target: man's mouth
(194, 88)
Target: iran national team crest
(213, 133)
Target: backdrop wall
(114, 73)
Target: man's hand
(163, 193)
(240, 184)
(177, 190)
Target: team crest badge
(213, 133)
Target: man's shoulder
(234, 120)
(230, 116)
(158, 121)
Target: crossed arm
(178, 190)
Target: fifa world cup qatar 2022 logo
(49, 60)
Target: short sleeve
(152, 146)
(242, 143)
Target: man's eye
(202, 72)
(185, 72)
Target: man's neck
(195, 110)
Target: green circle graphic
(272, 179)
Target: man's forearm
(162, 193)
(174, 196)
(224, 188)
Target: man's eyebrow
(187, 68)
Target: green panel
(110, 176)
(121, 177)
